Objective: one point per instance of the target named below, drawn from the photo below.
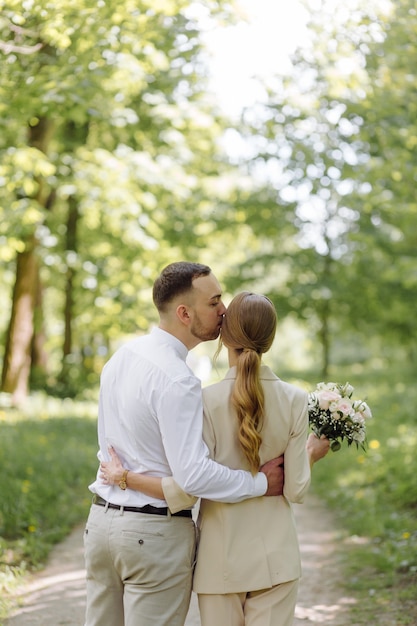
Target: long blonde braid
(249, 327)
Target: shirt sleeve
(180, 412)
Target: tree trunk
(71, 246)
(39, 356)
(17, 359)
(325, 311)
(20, 333)
(76, 135)
(39, 361)
(325, 338)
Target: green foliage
(131, 139)
(104, 121)
(374, 496)
(47, 460)
(335, 143)
(319, 219)
(46, 464)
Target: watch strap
(123, 483)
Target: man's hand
(274, 472)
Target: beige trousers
(139, 568)
(269, 607)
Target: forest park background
(114, 163)
(115, 159)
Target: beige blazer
(252, 544)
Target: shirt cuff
(261, 484)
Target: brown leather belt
(148, 508)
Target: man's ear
(182, 314)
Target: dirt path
(321, 599)
(56, 596)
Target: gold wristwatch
(123, 483)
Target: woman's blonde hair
(249, 327)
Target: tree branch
(7, 47)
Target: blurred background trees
(113, 164)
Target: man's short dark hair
(176, 279)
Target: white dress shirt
(150, 411)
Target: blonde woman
(248, 562)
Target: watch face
(123, 481)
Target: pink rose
(326, 397)
(344, 406)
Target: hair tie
(247, 350)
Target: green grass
(374, 497)
(46, 464)
(48, 457)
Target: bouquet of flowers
(333, 413)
